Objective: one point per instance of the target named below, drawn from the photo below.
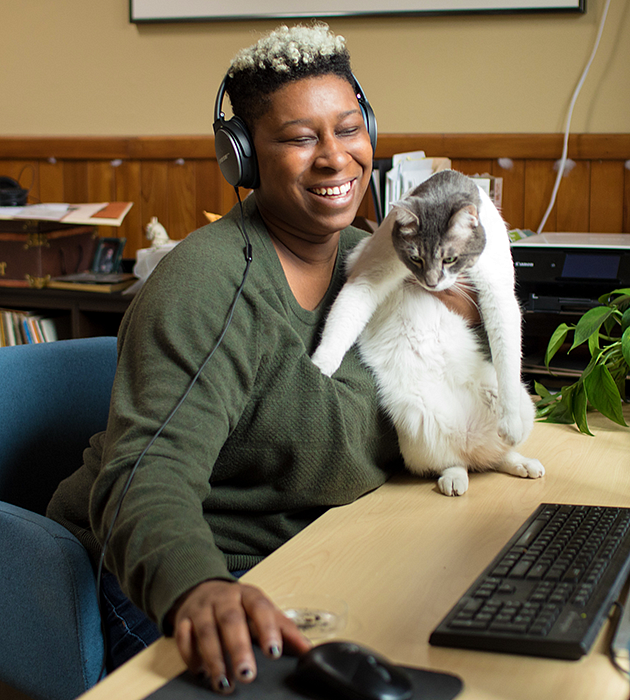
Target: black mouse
(354, 672)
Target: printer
(567, 272)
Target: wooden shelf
(80, 314)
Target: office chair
(53, 398)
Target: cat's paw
(511, 429)
(454, 481)
(525, 467)
(327, 365)
(533, 468)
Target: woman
(263, 443)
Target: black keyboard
(549, 590)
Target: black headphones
(11, 193)
(235, 148)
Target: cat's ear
(405, 216)
(464, 221)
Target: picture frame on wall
(205, 10)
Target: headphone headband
(234, 145)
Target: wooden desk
(402, 555)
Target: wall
(72, 67)
(176, 178)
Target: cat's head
(436, 232)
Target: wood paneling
(176, 178)
(606, 196)
(513, 203)
(574, 198)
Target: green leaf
(607, 298)
(625, 345)
(542, 391)
(590, 323)
(625, 321)
(593, 344)
(555, 342)
(562, 411)
(603, 394)
(580, 404)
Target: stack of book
(22, 327)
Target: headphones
(11, 193)
(234, 145)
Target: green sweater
(262, 445)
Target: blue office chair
(53, 398)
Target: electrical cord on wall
(193, 381)
(576, 92)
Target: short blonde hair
(285, 55)
(286, 48)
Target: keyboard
(550, 589)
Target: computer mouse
(354, 672)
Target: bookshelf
(78, 314)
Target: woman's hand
(214, 625)
(462, 303)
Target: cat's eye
(416, 259)
(451, 260)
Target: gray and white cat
(454, 408)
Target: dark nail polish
(246, 673)
(223, 684)
(275, 651)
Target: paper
(41, 212)
(408, 171)
(100, 213)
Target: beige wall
(78, 67)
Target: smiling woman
(263, 442)
(315, 162)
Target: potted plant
(601, 385)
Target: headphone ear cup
(235, 153)
(370, 122)
(11, 193)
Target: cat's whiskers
(464, 289)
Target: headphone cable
(248, 260)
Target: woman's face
(314, 157)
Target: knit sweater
(261, 446)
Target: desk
(402, 555)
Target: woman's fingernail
(246, 673)
(275, 651)
(222, 684)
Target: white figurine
(156, 233)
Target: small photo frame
(107, 255)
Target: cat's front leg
(454, 481)
(347, 318)
(375, 270)
(526, 467)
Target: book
(25, 327)
(105, 283)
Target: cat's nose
(432, 279)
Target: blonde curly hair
(286, 48)
(285, 55)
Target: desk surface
(403, 555)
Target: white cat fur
(454, 411)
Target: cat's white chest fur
(454, 409)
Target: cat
(454, 408)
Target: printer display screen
(596, 266)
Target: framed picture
(107, 255)
(202, 10)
